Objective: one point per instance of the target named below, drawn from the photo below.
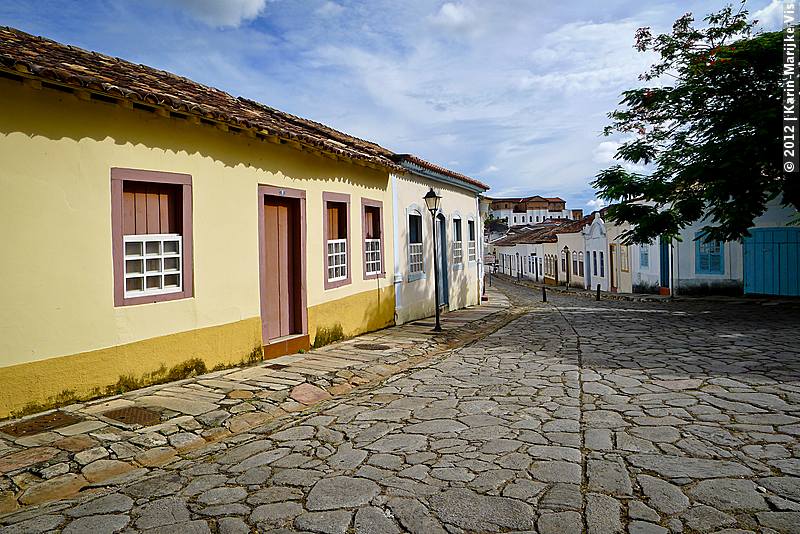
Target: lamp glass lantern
(432, 201)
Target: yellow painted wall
(81, 373)
(575, 243)
(415, 298)
(623, 278)
(356, 314)
(55, 225)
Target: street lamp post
(432, 202)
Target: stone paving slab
(576, 417)
(200, 412)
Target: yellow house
(149, 220)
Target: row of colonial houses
(591, 252)
(148, 219)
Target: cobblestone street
(579, 416)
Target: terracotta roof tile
(546, 232)
(74, 67)
(441, 170)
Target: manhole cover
(134, 416)
(42, 423)
(371, 346)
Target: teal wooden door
(772, 262)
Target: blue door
(663, 261)
(772, 261)
(441, 231)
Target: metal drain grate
(420, 323)
(371, 346)
(39, 424)
(134, 415)
(277, 366)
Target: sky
(512, 92)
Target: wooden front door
(282, 261)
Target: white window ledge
(413, 277)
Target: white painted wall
(414, 295)
(596, 247)
(575, 242)
(531, 216)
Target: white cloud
(223, 13)
(587, 56)
(456, 17)
(770, 17)
(605, 151)
(596, 204)
(517, 90)
(604, 155)
(329, 9)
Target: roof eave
(439, 177)
(300, 142)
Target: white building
(764, 263)
(531, 210)
(596, 244)
(459, 234)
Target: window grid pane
(337, 259)
(458, 253)
(472, 250)
(415, 257)
(152, 264)
(372, 253)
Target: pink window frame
(343, 198)
(118, 177)
(369, 203)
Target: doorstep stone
(75, 443)
(53, 489)
(309, 394)
(107, 406)
(8, 503)
(240, 394)
(184, 441)
(155, 457)
(26, 458)
(246, 421)
(84, 427)
(100, 470)
(340, 389)
(184, 406)
(90, 455)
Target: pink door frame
(281, 192)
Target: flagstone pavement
(578, 416)
(198, 414)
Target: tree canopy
(708, 130)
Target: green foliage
(61, 399)
(187, 369)
(256, 356)
(712, 138)
(124, 383)
(493, 224)
(327, 335)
